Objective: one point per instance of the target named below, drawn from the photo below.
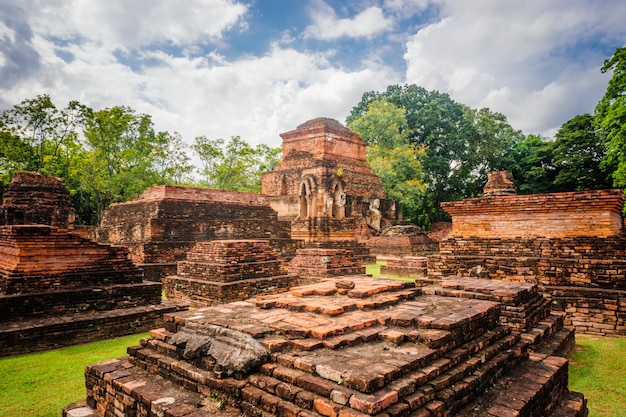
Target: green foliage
(533, 169)
(383, 124)
(456, 146)
(401, 173)
(118, 165)
(234, 165)
(37, 136)
(610, 117)
(41, 384)
(578, 152)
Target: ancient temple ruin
(165, 222)
(350, 346)
(573, 244)
(324, 185)
(59, 288)
(32, 198)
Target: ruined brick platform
(222, 271)
(349, 347)
(325, 263)
(572, 244)
(165, 222)
(58, 288)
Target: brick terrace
(347, 347)
(572, 244)
(222, 271)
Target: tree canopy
(610, 118)
(454, 145)
(114, 154)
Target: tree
(121, 147)
(459, 145)
(383, 124)
(210, 153)
(493, 144)
(396, 161)
(401, 173)
(234, 165)
(172, 163)
(533, 170)
(610, 118)
(578, 153)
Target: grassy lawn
(598, 369)
(41, 384)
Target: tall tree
(383, 124)
(41, 137)
(234, 164)
(578, 152)
(610, 117)
(211, 154)
(119, 165)
(171, 161)
(460, 145)
(533, 169)
(391, 155)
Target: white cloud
(131, 24)
(327, 26)
(526, 59)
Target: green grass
(41, 384)
(598, 369)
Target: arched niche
(308, 189)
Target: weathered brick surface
(383, 348)
(594, 213)
(164, 223)
(33, 198)
(572, 244)
(222, 271)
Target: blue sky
(257, 68)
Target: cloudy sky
(257, 68)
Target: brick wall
(585, 213)
(573, 244)
(33, 198)
(165, 222)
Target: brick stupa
(58, 288)
(325, 187)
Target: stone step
(543, 330)
(559, 344)
(116, 387)
(574, 404)
(533, 389)
(485, 356)
(51, 332)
